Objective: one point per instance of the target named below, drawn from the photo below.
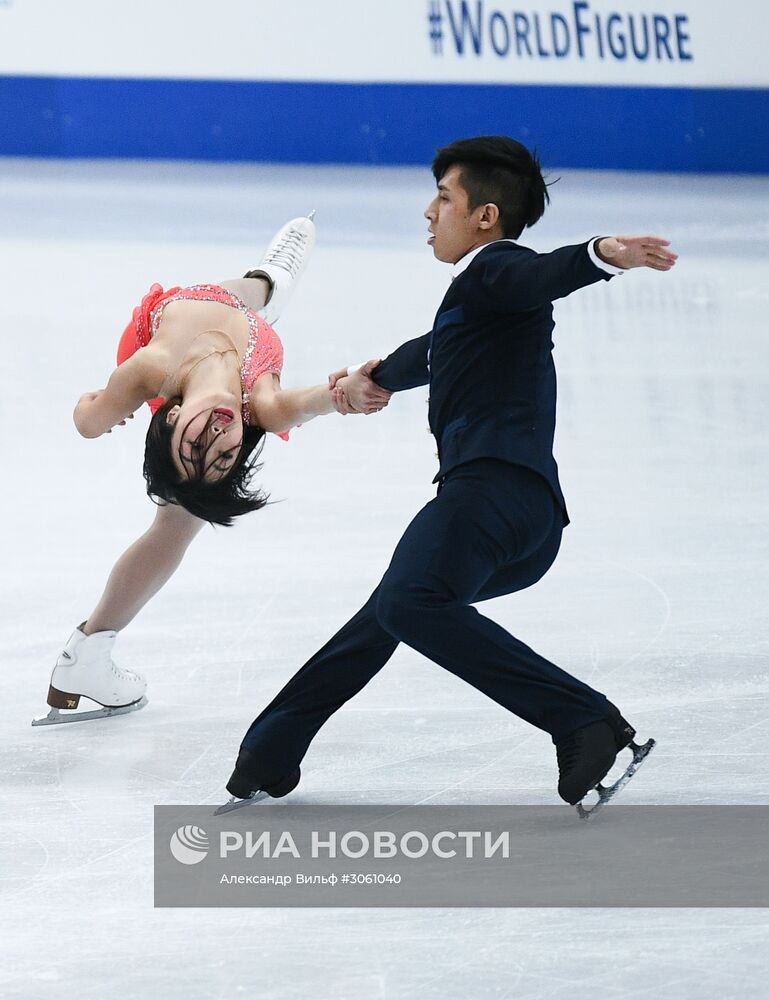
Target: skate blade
(57, 718)
(640, 753)
(240, 803)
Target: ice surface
(658, 597)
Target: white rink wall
(652, 85)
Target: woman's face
(209, 437)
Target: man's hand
(636, 251)
(358, 393)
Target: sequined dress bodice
(264, 351)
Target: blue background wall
(636, 128)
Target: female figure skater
(208, 363)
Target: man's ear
(489, 216)
(173, 414)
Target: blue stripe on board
(388, 123)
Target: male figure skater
(495, 525)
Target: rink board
(651, 85)
(638, 128)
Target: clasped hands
(357, 393)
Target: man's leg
(448, 556)
(278, 739)
(493, 528)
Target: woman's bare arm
(129, 386)
(278, 410)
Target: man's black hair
(499, 170)
(217, 502)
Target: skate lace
(288, 253)
(121, 673)
(568, 750)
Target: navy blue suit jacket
(488, 358)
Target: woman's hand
(89, 397)
(121, 423)
(84, 413)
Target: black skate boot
(587, 755)
(246, 788)
(244, 781)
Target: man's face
(455, 229)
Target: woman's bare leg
(271, 283)
(143, 569)
(253, 291)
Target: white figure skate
(283, 262)
(85, 669)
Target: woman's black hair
(217, 502)
(497, 169)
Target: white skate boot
(85, 669)
(283, 262)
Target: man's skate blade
(57, 718)
(240, 803)
(605, 795)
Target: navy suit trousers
(493, 529)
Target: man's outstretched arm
(521, 283)
(406, 367)
(368, 387)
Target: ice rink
(658, 597)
